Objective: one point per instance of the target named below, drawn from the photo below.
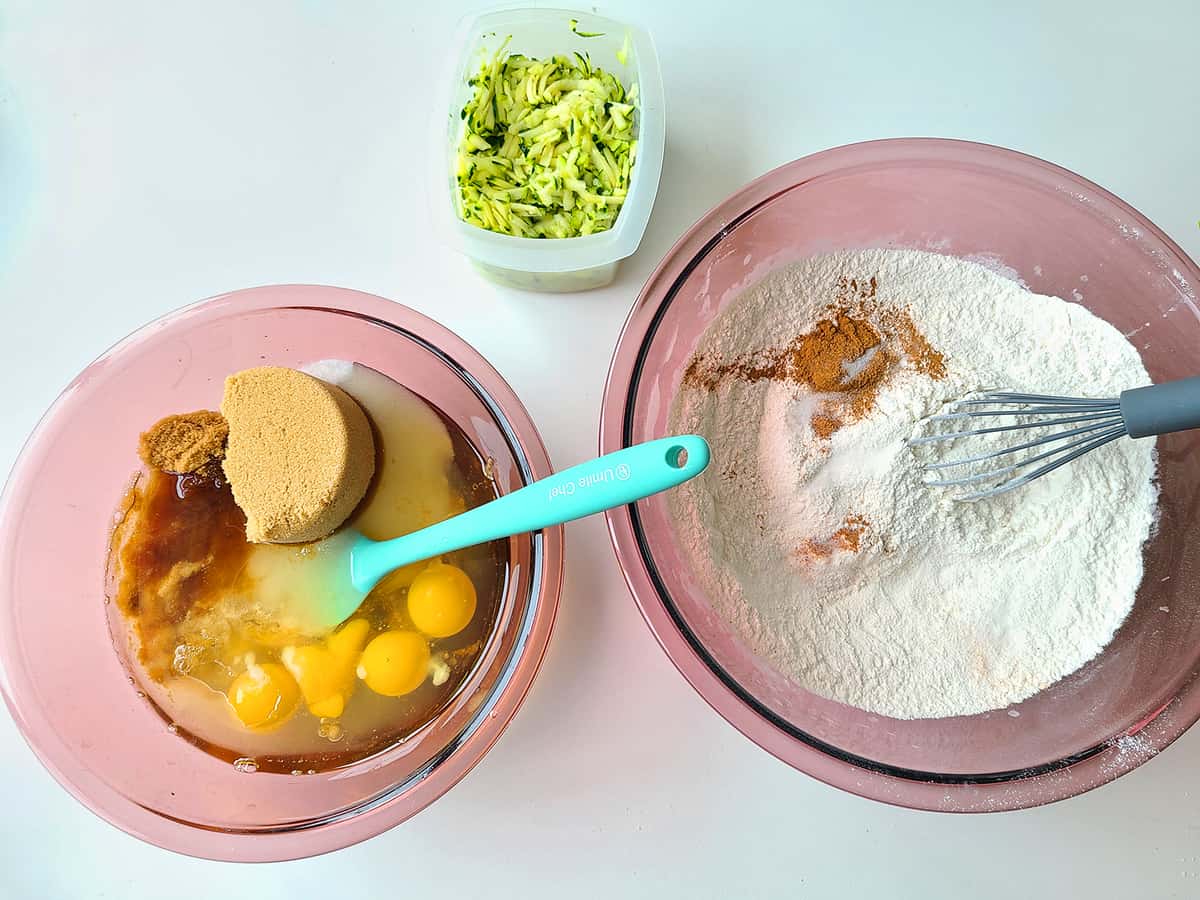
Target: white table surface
(152, 154)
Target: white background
(152, 154)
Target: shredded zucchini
(623, 53)
(547, 146)
(584, 34)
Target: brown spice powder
(824, 426)
(848, 537)
(848, 357)
(185, 443)
(852, 290)
(811, 550)
(819, 358)
(917, 348)
(850, 534)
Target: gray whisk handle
(1162, 408)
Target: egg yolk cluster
(324, 674)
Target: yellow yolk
(395, 663)
(398, 579)
(441, 600)
(347, 641)
(325, 672)
(264, 695)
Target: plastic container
(566, 264)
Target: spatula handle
(611, 480)
(1162, 408)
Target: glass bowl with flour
(817, 539)
(864, 628)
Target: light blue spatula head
(348, 565)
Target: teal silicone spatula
(351, 564)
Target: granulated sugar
(814, 534)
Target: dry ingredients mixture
(815, 536)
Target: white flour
(946, 608)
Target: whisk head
(1027, 436)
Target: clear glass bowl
(62, 677)
(1061, 235)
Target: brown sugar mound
(184, 443)
(300, 454)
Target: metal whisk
(1082, 426)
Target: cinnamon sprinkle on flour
(845, 358)
(846, 538)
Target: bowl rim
(999, 791)
(404, 799)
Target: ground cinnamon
(850, 534)
(917, 349)
(820, 358)
(824, 426)
(843, 356)
(846, 357)
(848, 537)
(184, 443)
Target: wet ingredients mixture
(814, 534)
(202, 580)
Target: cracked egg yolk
(441, 600)
(264, 695)
(325, 672)
(395, 663)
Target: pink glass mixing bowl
(1061, 235)
(64, 681)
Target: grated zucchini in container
(547, 146)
